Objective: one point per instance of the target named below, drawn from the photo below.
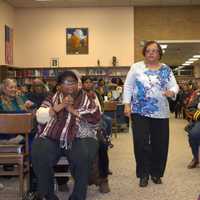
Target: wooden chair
(110, 107)
(17, 124)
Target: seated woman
(68, 129)
(38, 93)
(10, 102)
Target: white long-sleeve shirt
(144, 89)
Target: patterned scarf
(65, 126)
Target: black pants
(151, 140)
(103, 160)
(45, 155)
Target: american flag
(8, 45)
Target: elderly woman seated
(11, 102)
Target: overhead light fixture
(193, 59)
(189, 62)
(186, 64)
(196, 56)
(163, 46)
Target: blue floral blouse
(144, 89)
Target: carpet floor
(179, 183)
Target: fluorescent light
(186, 64)
(196, 56)
(163, 46)
(193, 59)
(190, 62)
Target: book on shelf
(11, 148)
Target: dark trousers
(194, 139)
(45, 155)
(151, 140)
(103, 160)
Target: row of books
(46, 73)
(32, 73)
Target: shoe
(104, 186)
(156, 180)
(193, 164)
(110, 172)
(143, 182)
(51, 197)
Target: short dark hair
(63, 75)
(85, 78)
(148, 43)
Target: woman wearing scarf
(68, 122)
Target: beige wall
(40, 35)
(6, 17)
(166, 23)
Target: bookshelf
(26, 75)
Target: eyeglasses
(152, 51)
(69, 82)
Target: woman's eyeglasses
(152, 51)
(67, 82)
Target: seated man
(69, 128)
(106, 127)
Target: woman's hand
(169, 93)
(127, 109)
(72, 111)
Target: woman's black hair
(149, 43)
(63, 75)
(85, 78)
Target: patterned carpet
(179, 182)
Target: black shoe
(156, 180)
(110, 172)
(144, 181)
(51, 197)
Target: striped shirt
(64, 126)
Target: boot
(193, 164)
(104, 186)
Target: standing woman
(148, 85)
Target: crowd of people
(70, 121)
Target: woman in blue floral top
(148, 85)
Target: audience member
(106, 124)
(69, 129)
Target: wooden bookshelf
(26, 75)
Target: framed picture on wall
(54, 62)
(77, 41)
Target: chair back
(16, 123)
(110, 106)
